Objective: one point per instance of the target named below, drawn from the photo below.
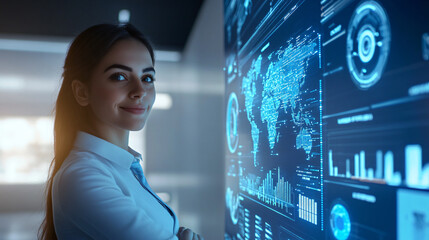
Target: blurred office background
(182, 143)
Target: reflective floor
(19, 226)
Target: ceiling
(167, 23)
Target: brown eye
(118, 77)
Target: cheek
(152, 97)
(105, 97)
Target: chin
(135, 127)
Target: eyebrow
(126, 68)
(149, 69)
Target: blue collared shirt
(96, 196)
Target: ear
(80, 92)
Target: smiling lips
(134, 110)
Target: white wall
(185, 145)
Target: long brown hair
(85, 52)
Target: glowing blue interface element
(340, 222)
(327, 119)
(231, 122)
(232, 203)
(368, 43)
(282, 90)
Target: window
(26, 149)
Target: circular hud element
(231, 122)
(340, 222)
(368, 43)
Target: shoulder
(81, 177)
(80, 167)
(84, 160)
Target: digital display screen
(327, 117)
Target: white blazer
(96, 196)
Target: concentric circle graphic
(368, 44)
(340, 222)
(231, 122)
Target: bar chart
(307, 209)
(272, 190)
(279, 195)
(416, 175)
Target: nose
(138, 90)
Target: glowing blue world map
(283, 85)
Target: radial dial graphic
(368, 43)
(231, 122)
(340, 222)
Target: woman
(97, 189)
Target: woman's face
(121, 88)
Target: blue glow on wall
(326, 119)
